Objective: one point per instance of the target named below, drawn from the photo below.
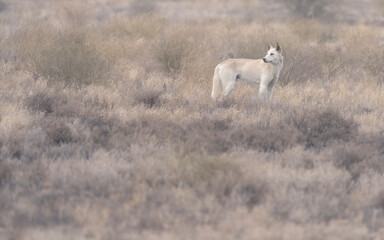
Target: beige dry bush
(205, 45)
(207, 48)
(171, 49)
(66, 56)
(301, 64)
(362, 50)
(145, 26)
(332, 61)
(28, 44)
(312, 52)
(250, 47)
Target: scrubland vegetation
(107, 129)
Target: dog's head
(273, 55)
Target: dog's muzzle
(264, 60)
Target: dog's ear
(278, 47)
(269, 46)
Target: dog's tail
(216, 86)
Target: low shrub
(172, 48)
(274, 138)
(350, 157)
(149, 98)
(57, 131)
(363, 154)
(221, 177)
(55, 102)
(40, 102)
(68, 56)
(300, 65)
(208, 135)
(253, 193)
(110, 133)
(322, 127)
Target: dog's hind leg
(228, 80)
(228, 89)
(216, 86)
(263, 91)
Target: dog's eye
(271, 54)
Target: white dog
(263, 71)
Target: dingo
(263, 71)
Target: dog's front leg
(263, 91)
(229, 88)
(270, 88)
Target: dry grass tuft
(67, 56)
(172, 48)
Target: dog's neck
(281, 60)
(279, 65)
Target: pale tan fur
(263, 71)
